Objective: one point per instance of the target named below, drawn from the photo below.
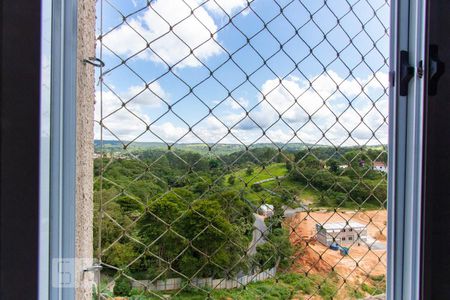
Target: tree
(200, 187)
(304, 175)
(288, 165)
(323, 180)
(214, 164)
(249, 171)
(334, 165)
(284, 249)
(207, 226)
(277, 249)
(143, 189)
(238, 212)
(231, 180)
(156, 228)
(129, 204)
(360, 192)
(304, 158)
(122, 286)
(357, 159)
(120, 255)
(265, 256)
(110, 231)
(257, 187)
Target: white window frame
(58, 162)
(58, 152)
(406, 121)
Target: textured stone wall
(85, 136)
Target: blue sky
(210, 92)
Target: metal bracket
(96, 62)
(406, 73)
(93, 268)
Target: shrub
(249, 171)
(257, 187)
(231, 180)
(355, 293)
(299, 282)
(122, 286)
(328, 290)
(323, 180)
(372, 289)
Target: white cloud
(237, 103)
(292, 98)
(312, 109)
(150, 97)
(130, 121)
(173, 28)
(153, 26)
(122, 125)
(229, 6)
(137, 98)
(169, 132)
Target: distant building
(343, 166)
(379, 166)
(266, 210)
(341, 233)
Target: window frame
(405, 151)
(408, 18)
(58, 162)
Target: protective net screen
(241, 149)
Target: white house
(341, 233)
(379, 166)
(266, 210)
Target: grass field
(284, 185)
(279, 186)
(271, 171)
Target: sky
(238, 71)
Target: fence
(209, 110)
(221, 283)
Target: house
(379, 166)
(342, 233)
(343, 166)
(266, 210)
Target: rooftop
(342, 225)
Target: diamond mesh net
(241, 149)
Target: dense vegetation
(284, 287)
(357, 184)
(178, 213)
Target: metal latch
(406, 73)
(436, 69)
